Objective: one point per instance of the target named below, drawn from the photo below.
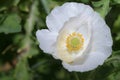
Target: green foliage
(11, 24)
(102, 7)
(21, 71)
(20, 55)
(117, 28)
(116, 1)
(6, 78)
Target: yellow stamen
(74, 42)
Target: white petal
(101, 38)
(56, 19)
(47, 40)
(100, 44)
(76, 24)
(92, 62)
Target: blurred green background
(20, 56)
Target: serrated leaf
(11, 24)
(97, 4)
(102, 7)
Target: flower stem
(32, 18)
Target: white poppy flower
(76, 35)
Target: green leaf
(16, 2)
(24, 5)
(102, 7)
(115, 56)
(115, 59)
(48, 5)
(11, 24)
(114, 75)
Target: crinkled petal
(100, 44)
(94, 59)
(47, 40)
(77, 24)
(101, 40)
(56, 19)
(101, 37)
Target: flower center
(74, 42)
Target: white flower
(76, 35)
